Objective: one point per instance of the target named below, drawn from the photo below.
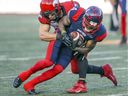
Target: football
(75, 35)
(78, 39)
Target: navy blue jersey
(62, 54)
(76, 25)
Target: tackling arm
(66, 39)
(44, 33)
(64, 22)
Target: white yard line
(6, 58)
(125, 68)
(19, 58)
(105, 58)
(31, 58)
(124, 94)
(108, 52)
(9, 77)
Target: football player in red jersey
(49, 16)
(90, 26)
(51, 13)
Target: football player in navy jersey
(58, 54)
(90, 26)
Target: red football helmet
(50, 7)
(92, 19)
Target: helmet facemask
(89, 27)
(50, 9)
(92, 19)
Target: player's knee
(41, 64)
(58, 68)
(48, 62)
(45, 62)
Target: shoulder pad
(75, 13)
(101, 37)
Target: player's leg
(92, 69)
(104, 71)
(114, 20)
(74, 65)
(26, 74)
(41, 64)
(123, 22)
(62, 62)
(30, 86)
(80, 85)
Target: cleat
(30, 89)
(109, 73)
(79, 87)
(17, 82)
(33, 92)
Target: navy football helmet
(92, 19)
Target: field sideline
(20, 48)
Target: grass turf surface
(20, 48)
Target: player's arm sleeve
(87, 47)
(102, 36)
(45, 34)
(63, 23)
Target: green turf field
(20, 48)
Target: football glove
(65, 38)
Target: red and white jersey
(65, 7)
